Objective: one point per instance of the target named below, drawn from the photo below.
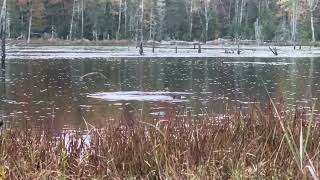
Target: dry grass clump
(251, 145)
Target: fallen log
(274, 51)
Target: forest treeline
(202, 20)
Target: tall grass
(265, 143)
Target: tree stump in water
(153, 47)
(238, 50)
(141, 49)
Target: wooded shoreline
(217, 42)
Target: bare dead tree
(125, 18)
(3, 32)
(3, 38)
(119, 20)
(72, 19)
(82, 18)
(294, 20)
(312, 4)
(207, 18)
(142, 21)
(242, 5)
(141, 49)
(30, 20)
(191, 19)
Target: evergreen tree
(176, 19)
(39, 21)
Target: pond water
(70, 94)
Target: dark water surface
(60, 94)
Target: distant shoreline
(84, 42)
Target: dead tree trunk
(142, 21)
(119, 20)
(141, 49)
(3, 33)
(294, 20)
(206, 14)
(72, 19)
(274, 51)
(125, 19)
(191, 20)
(242, 5)
(312, 7)
(312, 27)
(153, 46)
(30, 21)
(82, 18)
(151, 24)
(3, 46)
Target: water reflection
(53, 94)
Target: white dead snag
(161, 16)
(142, 20)
(72, 19)
(312, 4)
(52, 30)
(243, 3)
(30, 20)
(82, 18)
(8, 24)
(257, 28)
(294, 20)
(151, 23)
(119, 20)
(125, 18)
(207, 18)
(191, 19)
(237, 12)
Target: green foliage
(176, 19)
(171, 19)
(268, 24)
(304, 32)
(39, 21)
